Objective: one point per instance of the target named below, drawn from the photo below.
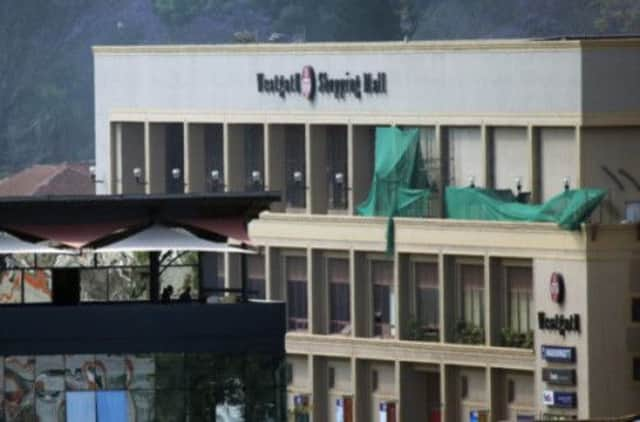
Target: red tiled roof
(49, 179)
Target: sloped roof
(49, 179)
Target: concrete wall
(558, 159)
(510, 158)
(612, 149)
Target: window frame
(505, 285)
(413, 285)
(285, 255)
(459, 263)
(393, 304)
(327, 257)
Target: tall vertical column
(155, 141)
(361, 376)
(403, 295)
(274, 163)
(442, 309)
(361, 167)
(445, 164)
(117, 162)
(450, 393)
(488, 328)
(194, 158)
(320, 388)
(318, 293)
(361, 313)
(316, 151)
(579, 171)
(234, 160)
(487, 157)
(534, 165)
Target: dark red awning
(229, 227)
(74, 235)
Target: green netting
(568, 210)
(399, 186)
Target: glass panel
(112, 406)
(93, 286)
(296, 273)
(255, 276)
(128, 284)
(140, 370)
(214, 156)
(81, 406)
(65, 260)
(37, 286)
(141, 406)
(50, 373)
(19, 375)
(123, 259)
(113, 368)
(50, 406)
(170, 368)
(81, 372)
(182, 279)
(11, 286)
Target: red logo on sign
(556, 287)
(308, 82)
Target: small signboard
(479, 416)
(559, 354)
(564, 399)
(559, 376)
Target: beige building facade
(464, 320)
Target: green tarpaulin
(568, 209)
(399, 186)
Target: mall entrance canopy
(144, 223)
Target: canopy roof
(12, 245)
(136, 222)
(161, 238)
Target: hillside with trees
(46, 79)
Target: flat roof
(559, 42)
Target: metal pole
(154, 276)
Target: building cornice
(390, 47)
(410, 351)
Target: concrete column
(402, 286)
(360, 167)
(450, 393)
(114, 181)
(361, 308)
(155, 141)
(488, 329)
(194, 158)
(442, 309)
(487, 158)
(274, 162)
(534, 165)
(488, 388)
(273, 274)
(320, 388)
(234, 160)
(316, 151)
(361, 376)
(497, 388)
(580, 167)
(318, 293)
(449, 304)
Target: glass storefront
(143, 388)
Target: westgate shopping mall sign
(307, 83)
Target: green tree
(367, 20)
(617, 16)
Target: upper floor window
(296, 284)
(295, 166)
(519, 298)
(427, 301)
(471, 305)
(254, 157)
(383, 298)
(339, 296)
(337, 171)
(255, 276)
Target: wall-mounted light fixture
(92, 172)
(137, 174)
(472, 181)
(566, 182)
(176, 173)
(215, 180)
(339, 178)
(256, 177)
(298, 176)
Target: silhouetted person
(166, 294)
(186, 295)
